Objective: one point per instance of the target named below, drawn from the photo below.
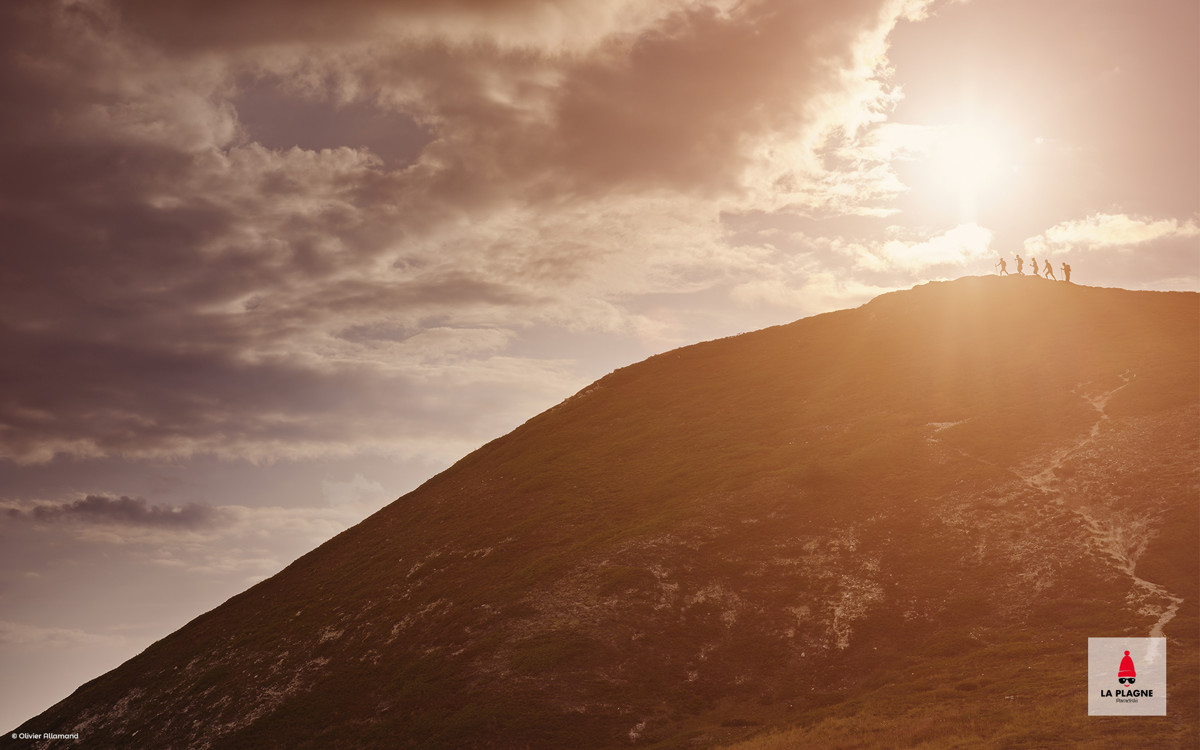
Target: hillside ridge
(772, 529)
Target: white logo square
(1127, 676)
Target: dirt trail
(1123, 542)
(1122, 538)
(1045, 479)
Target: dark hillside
(904, 519)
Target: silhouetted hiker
(1033, 265)
(1049, 271)
(1020, 265)
(1003, 267)
(1066, 273)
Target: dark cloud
(172, 285)
(92, 398)
(683, 104)
(125, 511)
(280, 119)
(224, 24)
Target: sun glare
(970, 160)
(968, 157)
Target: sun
(970, 160)
(970, 156)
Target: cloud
(175, 287)
(35, 636)
(1103, 231)
(217, 541)
(196, 25)
(809, 273)
(819, 290)
(131, 511)
(683, 105)
(954, 248)
(356, 492)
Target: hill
(896, 524)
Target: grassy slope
(753, 532)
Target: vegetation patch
(558, 651)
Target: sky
(267, 265)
